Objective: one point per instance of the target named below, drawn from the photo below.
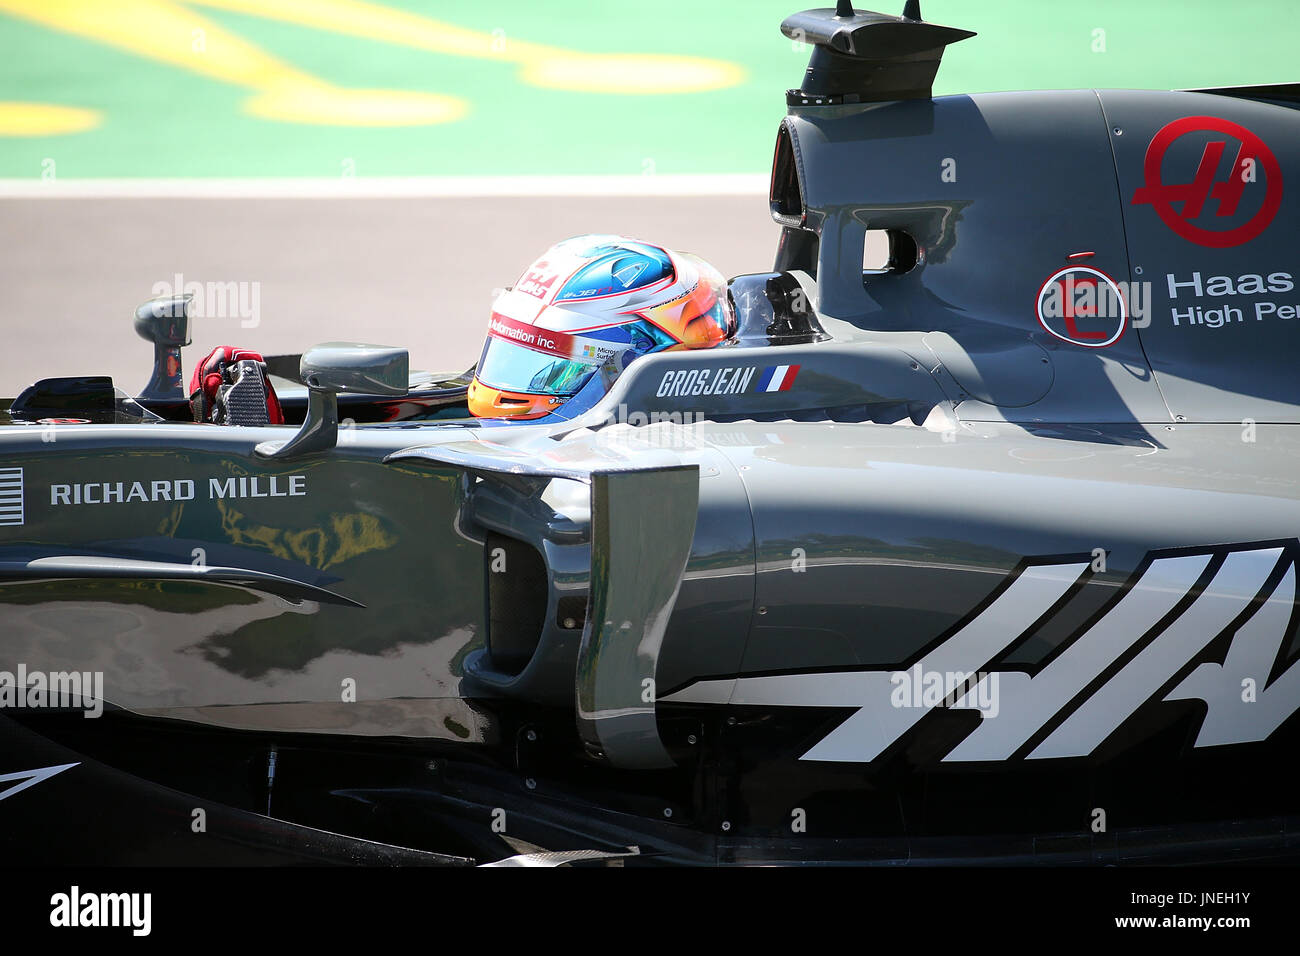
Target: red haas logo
(1206, 192)
(537, 284)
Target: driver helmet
(583, 312)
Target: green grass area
(161, 120)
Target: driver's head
(589, 307)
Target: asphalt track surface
(415, 272)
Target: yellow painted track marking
(171, 33)
(540, 65)
(44, 119)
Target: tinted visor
(516, 368)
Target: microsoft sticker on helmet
(585, 310)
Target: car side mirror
(362, 369)
(337, 367)
(165, 321)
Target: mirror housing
(355, 368)
(165, 321)
(337, 367)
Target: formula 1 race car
(977, 543)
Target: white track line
(740, 184)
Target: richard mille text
(177, 489)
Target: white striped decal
(11, 496)
(29, 778)
(1092, 686)
(874, 727)
(1029, 702)
(1231, 591)
(1234, 715)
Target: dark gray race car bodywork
(940, 573)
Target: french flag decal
(778, 378)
